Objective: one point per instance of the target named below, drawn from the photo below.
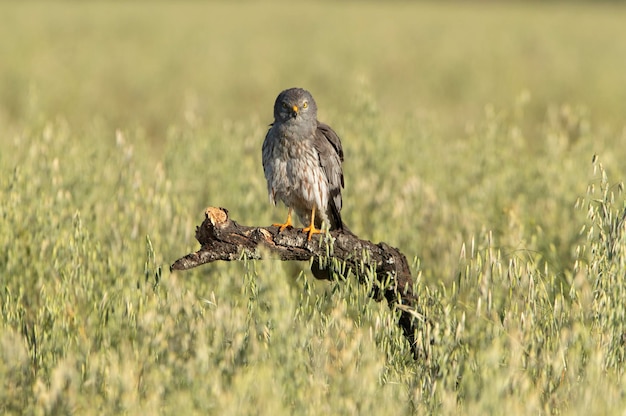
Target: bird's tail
(335, 217)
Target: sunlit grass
(486, 142)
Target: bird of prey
(302, 163)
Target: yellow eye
(285, 106)
(305, 104)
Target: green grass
(484, 141)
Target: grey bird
(302, 162)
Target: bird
(302, 162)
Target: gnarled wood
(224, 239)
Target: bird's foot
(287, 224)
(282, 227)
(311, 230)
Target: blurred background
(469, 130)
(456, 117)
(153, 64)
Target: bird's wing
(332, 138)
(328, 146)
(267, 149)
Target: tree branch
(224, 239)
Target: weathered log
(226, 240)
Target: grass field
(485, 141)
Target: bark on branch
(224, 239)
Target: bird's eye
(305, 104)
(285, 106)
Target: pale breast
(295, 177)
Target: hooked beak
(294, 112)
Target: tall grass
(484, 142)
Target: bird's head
(295, 104)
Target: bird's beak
(295, 111)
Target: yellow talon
(311, 228)
(287, 223)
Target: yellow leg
(287, 223)
(311, 228)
